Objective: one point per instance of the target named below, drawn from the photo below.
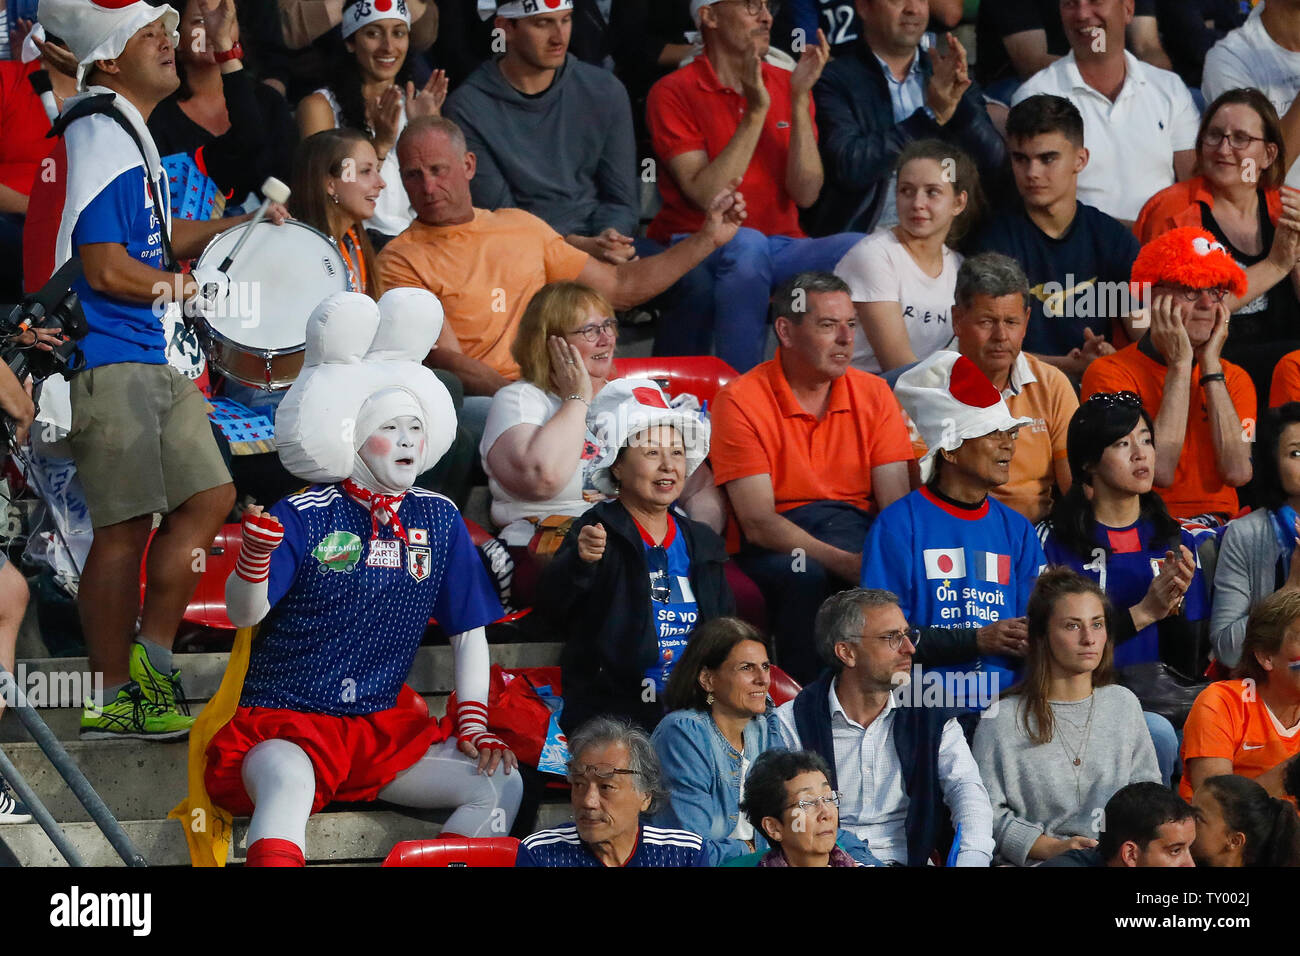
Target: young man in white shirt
(1139, 121)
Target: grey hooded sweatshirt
(568, 155)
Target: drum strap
(103, 103)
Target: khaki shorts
(141, 440)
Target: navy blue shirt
(1064, 274)
(655, 846)
(348, 612)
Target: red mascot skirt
(354, 756)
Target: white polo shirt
(1131, 142)
(1248, 57)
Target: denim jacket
(701, 772)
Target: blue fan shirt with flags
(675, 617)
(122, 331)
(953, 567)
(1125, 574)
(347, 613)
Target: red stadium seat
(783, 687)
(700, 375)
(455, 851)
(208, 606)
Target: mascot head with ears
(364, 407)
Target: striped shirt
(655, 846)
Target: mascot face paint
(393, 452)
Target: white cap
(99, 29)
(697, 6)
(627, 406)
(950, 400)
(518, 9)
(364, 12)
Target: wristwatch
(236, 52)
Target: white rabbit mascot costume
(343, 579)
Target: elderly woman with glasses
(634, 578)
(1241, 160)
(788, 797)
(614, 780)
(538, 446)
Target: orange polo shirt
(1197, 487)
(759, 429)
(484, 271)
(1226, 721)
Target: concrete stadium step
(343, 837)
(432, 673)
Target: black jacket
(860, 141)
(604, 612)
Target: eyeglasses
(601, 771)
(657, 560)
(1236, 139)
(754, 7)
(1194, 295)
(593, 332)
(831, 799)
(1107, 399)
(896, 638)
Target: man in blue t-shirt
(139, 434)
(961, 562)
(1076, 257)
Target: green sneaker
(132, 714)
(159, 688)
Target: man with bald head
(486, 265)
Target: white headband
(518, 9)
(364, 12)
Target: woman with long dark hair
(1112, 527)
(1239, 824)
(370, 89)
(336, 186)
(239, 131)
(1066, 738)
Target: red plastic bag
(516, 713)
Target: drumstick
(274, 191)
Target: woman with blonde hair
(1066, 738)
(538, 448)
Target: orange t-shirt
(484, 271)
(1197, 487)
(1286, 380)
(1228, 722)
(759, 429)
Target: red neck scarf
(378, 504)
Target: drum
(280, 275)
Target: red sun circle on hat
(552, 4)
(113, 4)
(649, 396)
(383, 5)
(970, 386)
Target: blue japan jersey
(1126, 573)
(954, 568)
(122, 331)
(674, 617)
(347, 613)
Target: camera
(43, 311)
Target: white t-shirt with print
(880, 269)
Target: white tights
(279, 778)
